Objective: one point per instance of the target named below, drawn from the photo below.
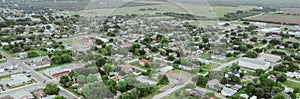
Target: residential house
(214, 84)
(18, 79)
(126, 68)
(143, 61)
(244, 96)
(253, 63)
(228, 91)
(6, 66)
(39, 62)
(166, 69)
(113, 76)
(23, 55)
(145, 79)
(22, 94)
(196, 92)
(293, 74)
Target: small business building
(253, 63)
(56, 72)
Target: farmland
(197, 9)
(277, 18)
(295, 11)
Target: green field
(282, 15)
(205, 55)
(291, 84)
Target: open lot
(277, 18)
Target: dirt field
(279, 19)
(291, 10)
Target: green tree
(32, 54)
(121, 86)
(108, 68)
(81, 79)
(200, 80)
(251, 54)
(51, 89)
(171, 58)
(100, 62)
(64, 80)
(279, 96)
(296, 90)
(96, 90)
(91, 78)
(163, 80)
(258, 72)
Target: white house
(6, 66)
(293, 74)
(228, 91)
(145, 79)
(166, 69)
(253, 63)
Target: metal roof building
(18, 79)
(253, 63)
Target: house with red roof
(143, 61)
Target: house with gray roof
(6, 66)
(22, 94)
(18, 79)
(253, 63)
(145, 79)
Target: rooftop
(253, 61)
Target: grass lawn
(291, 84)
(205, 69)
(282, 15)
(5, 76)
(73, 92)
(258, 44)
(205, 55)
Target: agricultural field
(161, 7)
(277, 18)
(295, 11)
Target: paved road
(67, 94)
(226, 64)
(293, 80)
(165, 93)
